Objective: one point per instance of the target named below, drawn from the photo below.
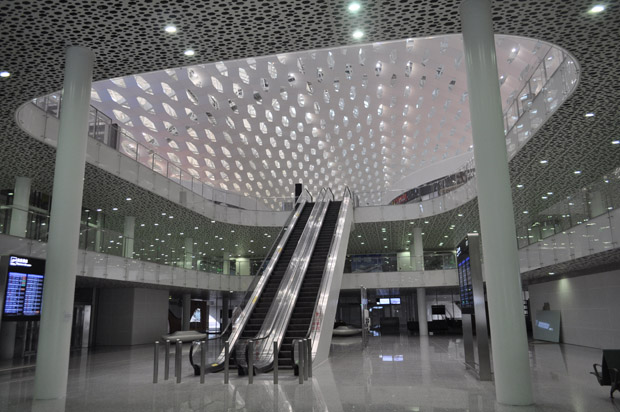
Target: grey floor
(395, 373)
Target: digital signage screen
(395, 301)
(464, 271)
(384, 301)
(23, 293)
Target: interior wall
(589, 307)
(131, 316)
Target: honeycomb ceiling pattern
(363, 116)
(128, 37)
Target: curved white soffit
(375, 117)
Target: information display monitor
(22, 287)
(465, 283)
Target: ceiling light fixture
(589, 114)
(4, 73)
(520, 186)
(358, 34)
(354, 7)
(189, 53)
(577, 172)
(615, 142)
(544, 162)
(596, 9)
(170, 29)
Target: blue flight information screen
(465, 283)
(23, 294)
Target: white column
(62, 247)
(21, 203)
(422, 312)
(499, 241)
(99, 233)
(416, 250)
(226, 264)
(187, 308)
(128, 236)
(189, 252)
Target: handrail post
(167, 360)
(203, 356)
(177, 361)
(226, 361)
(251, 361)
(156, 362)
(275, 362)
(309, 359)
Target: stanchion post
(177, 362)
(275, 362)
(156, 362)
(251, 362)
(203, 356)
(309, 358)
(300, 359)
(226, 361)
(167, 360)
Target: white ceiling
(375, 117)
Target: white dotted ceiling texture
(364, 116)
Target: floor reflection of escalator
(302, 314)
(271, 288)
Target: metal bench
(607, 373)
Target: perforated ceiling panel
(364, 116)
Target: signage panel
(23, 293)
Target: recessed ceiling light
(596, 9)
(358, 34)
(615, 142)
(170, 29)
(549, 193)
(115, 208)
(525, 212)
(128, 199)
(589, 114)
(4, 73)
(98, 210)
(354, 7)
(544, 198)
(189, 52)
(544, 162)
(552, 273)
(577, 172)
(520, 186)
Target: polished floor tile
(394, 373)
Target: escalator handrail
(264, 264)
(326, 280)
(294, 277)
(239, 323)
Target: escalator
(259, 297)
(301, 317)
(271, 288)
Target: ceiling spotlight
(520, 186)
(170, 29)
(544, 162)
(552, 273)
(577, 172)
(590, 114)
(354, 7)
(615, 142)
(189, 52)
(596, 9)
(358, 34)
(4, 73)
(128, 199)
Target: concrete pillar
(187, 311)
(128, 236)
(416, 250)
(226, 264)
(422, 312)
(62, 248)
(189, 253)
(21, 203)
(225, 307)
(499, 241)
(99, 232)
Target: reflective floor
(395, 373)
